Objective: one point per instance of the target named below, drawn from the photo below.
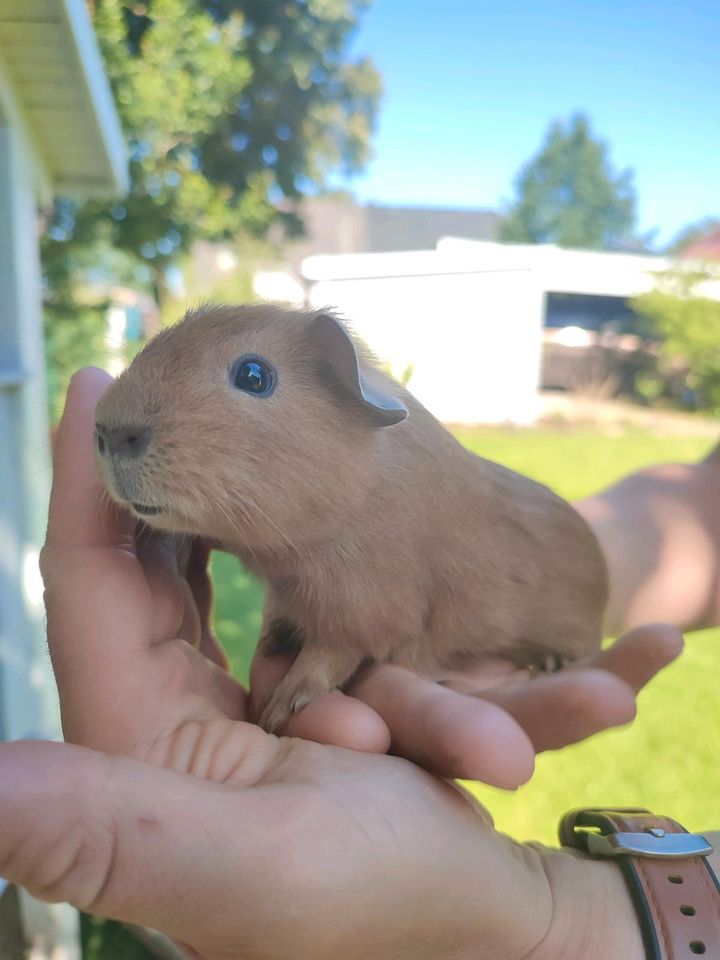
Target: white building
(465, 321)
(59, 135)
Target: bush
(686, 319)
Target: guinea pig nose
(122, 441)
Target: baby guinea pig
(270, 431)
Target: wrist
(593, 915)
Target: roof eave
(102, 107)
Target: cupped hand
(487, 723)
(153, 676)
(172, 811)
(245, 845)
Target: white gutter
(97, 88)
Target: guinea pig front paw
(274, 717)
(281, 706)
(314, 673)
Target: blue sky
(470, 87)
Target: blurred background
(528, 189)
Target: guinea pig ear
(337, 349)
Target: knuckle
(73, 865)
(78, 869)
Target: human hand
(154, 671)
(488, 722)
(237, 843)
(659, 529)
(243, 845)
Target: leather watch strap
(676, 893)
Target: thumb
(127, 840)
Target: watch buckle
(656, 844)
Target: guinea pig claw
(274, 719)
(547, 664)
(276, 715)
(280, 708)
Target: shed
(464, 324)
(464, 334)
(59, 135)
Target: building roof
(341, 225)
(590, 272)
(49, 55)
(704, 248)
(420, 228)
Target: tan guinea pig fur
(378, 536)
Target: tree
(569, 194)
(687, 321)
(232, 109)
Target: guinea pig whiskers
(235, 528)
(255, 507)
(42, 403)
(40, 470)
(144, 533)
(114, 342)
(40, 447)
(104, 506)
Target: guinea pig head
(257, 426)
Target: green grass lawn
(667, 758)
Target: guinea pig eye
(253, 375)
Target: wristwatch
(668, 872)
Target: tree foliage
(569, 194)
(228, 106)
(687, 321)
(232, 109)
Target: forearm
(660, 532)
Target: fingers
(334, 719)
(44, 804)
(495, 718)
(128, 840)
(486, 674)
(198, 578)
(566, 707)
(341, 721)
(172, 612)
(641, 653)
(80, 513)
(448, 733)
(585, 698)
(182, 592)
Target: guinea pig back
(271, 432)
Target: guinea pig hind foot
(550, 663)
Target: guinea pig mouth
(145, 510)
